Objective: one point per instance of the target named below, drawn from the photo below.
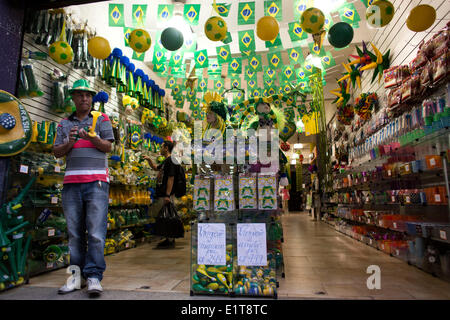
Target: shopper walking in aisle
(164, 184)
(85, 195)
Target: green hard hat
(82, 85)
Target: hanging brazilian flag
(138, 56)
(179, 101)
(228, 39)
(300, 6)
(223, 54)
(214, 67)
(190, 43)
(296, 33)
(252, 84)
(308, 67)
(235, 83)
(246, 13)
(176, 90)
(192, 13)
(176, 58)
(235, 66)
(159, 55)
(191, 94)
(238, 97)
(126, 35)
(249, 73)
(219, 85)
(255, 93)
(328, 22)
(301, 75)
(328, 60)
(367, 3)
(274, 59)
(201, 59)
(165, 12)
(349, 14)
(178, 72)
(202, 85)
(314, 48)
(288, 73)
(159, 67)
(246, 40)
(273, 8)
(116, 16)
(171, 82)
(296, 55)
(269, 73)
(274, 43)
(139, 14)
(255, 62)
(223, 9)
(269, 83)
(271, 91)
(195, 104)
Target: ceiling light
(295, 156)
(298, 146)
(294, 161)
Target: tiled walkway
(320, 263)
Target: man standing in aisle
(164, 184)
(85, 195)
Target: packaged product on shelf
(390, 77)
(406, 90)
(440, 67)
(425, 77)
(394, 97)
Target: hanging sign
(201, 194)
(247, 192)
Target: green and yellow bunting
(271, 91)
(269, 73)
(274, 59)
(238, 97)
(235, 65)
(274, 43)
(139, 14)
(191, 94)
(328, 22)
(126, 35)
(223, 54)
(178, 72)
(202, 85)
(288, 73)
(268, 83)
(308, 68)
(171, 82)
(165, 12)
(159, 55)
(191, 13)
(214, 67)
(190, 44)
(349, 14)
(256, 93)
(328, 60)
(219, 85)
(228, 39)
(255, 62)
(116, 16)
(179, 101)
(195, 104)
(314, 48)
(273, 8)
(223, 9)
(246, 13)
(296, 33)
(176, 90)
(249, 73)
(140, 56)
(296, 55)
(252, 84)
(235, 83)
(159, 67)
(301, 75)
(176, 59)
(201, 59)
(300, 6)
(246, 40)
(367, 3)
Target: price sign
(395, 225)
(211, 243)
(443, 234)
(389, 173)
(437, 197)
(110, 201)
(393, 198)
(51, 232)
(251, 244)
(408, 199)
(54, 200)
(432, 162)
(407, 168)
(107, 226)
(57, 169)
(371, 242)
(23, 169)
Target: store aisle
(319, 259)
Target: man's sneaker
(70, 286)
(94, 286)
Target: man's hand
(166, 200)
(84, 135)
(73, 134)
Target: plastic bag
(168, 223)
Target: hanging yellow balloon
(99, 48)
(139, 40)
(267, 28)
(421, 18)
(60, 50)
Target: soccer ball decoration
(267, 28)
(216, 29)
(312, 20)
(139, 40)
(99, 48)
(380, 13)
(61, 52)
(172, 39)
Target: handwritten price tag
(23, 169)
(437, 197)
(395, 225)
(443, 235)
(57, 169)
(54, 200)
(432, 162)
(51, 232)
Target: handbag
(168, 223)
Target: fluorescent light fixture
(328, 6)
(295, 156)
(298, 146)
(294, 161)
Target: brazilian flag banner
(235, 66)
(256, 93)
(159, 55)
(171, 82)
(140, 56)
(235, 83)
(219, 85)
(255, 62)
(269, 73)
(288, 73)
(190, 44)
(176, 58)
(192, 13)
(274, 59)
(179, 101)
(165, 12)
(296, 55)
(246, 13)
(201, 59)
(296, 32)
(349, 14)
(274, 43)
(139, 14)
(116, 16)
(223, 9)
(273, 8)
(126, 35)
(301, 75)
(202, 85)
(214, 67)
(246, 40)
(367, 3)
(328, 60)
(252, 84)
(300, 6)
(195, 104)
(314, 48)
(223, 54)
(249, 73)
(268, 83)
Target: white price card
(432, 162)
(57, 169)
(211, 244)
(443, 234)
(251, 244)
(408, 199)
(370, 241)
(389, 173)
(51, 232)
(111, 178)
(395, 225)
(107, 225)
(54, 200)
(23, 168)
(393, 198)
(110, 200)
(437, 197)
(407, 168)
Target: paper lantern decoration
(267, 28)
(99, 48)
(380, 13)
(421, 18)
(139, 40)
(61, 52)
(340, 35)
(312, 20)
(216, 29)
(172, 39)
